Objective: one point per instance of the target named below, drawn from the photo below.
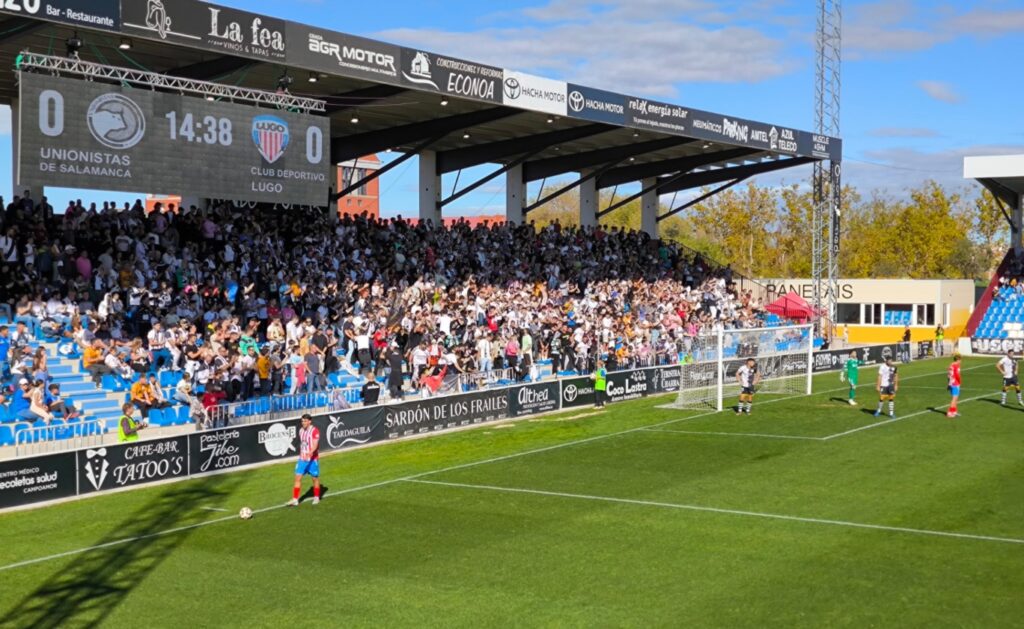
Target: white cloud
(940, 91)
(5, 120)
(618, 55)
(891, 26)
(895, 171)
(903, 132)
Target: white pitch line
(733, 434)
(754, 514)
(180, 529)
(901, 418)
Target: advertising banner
(596, 105)
(454, 77)
(665, 117)
(91, 135)
(26, 481)
(207, 26)
(344, 55)
(533, 399)
(996, 347)
(629, 385)
(124, 465)
(536, 93)
(350, 428)
(101, 14)
(665, 379)
(835, 359)
(577, 392)
(418, 417)
(228, 448)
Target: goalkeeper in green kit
(849, 374)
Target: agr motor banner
(418, 417)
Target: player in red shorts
(954, 385)
(309, 460)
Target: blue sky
(924, 83)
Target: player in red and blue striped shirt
(954, 385)
(309, 460)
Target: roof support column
(649, 207)
(430, 188)
(589, 199)
(1018, 223)
(515, 195)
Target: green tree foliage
(766, 232)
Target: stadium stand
(250, 311)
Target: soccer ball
(245, 513)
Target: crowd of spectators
(252, 302)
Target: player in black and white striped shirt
(1008, 368)
(887, 385)
(748, 377)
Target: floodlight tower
(827, 208)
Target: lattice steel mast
(826, 212)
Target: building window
(848, 314)
(873, 314)
(926, 314)
(350, 176)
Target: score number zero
(211, 130)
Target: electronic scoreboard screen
(81, 134)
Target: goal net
(783, 356)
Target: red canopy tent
(791, 306)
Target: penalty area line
(732, 434)
(737, 512)
(893, 420)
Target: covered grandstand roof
(409, 100)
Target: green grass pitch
(809, 513)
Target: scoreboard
(83, 134)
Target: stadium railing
(59, 436)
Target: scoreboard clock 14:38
(80, 134)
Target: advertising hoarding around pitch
(92, 135)
(39, 479)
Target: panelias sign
(533, 399)
(28, 481)
(445, 75)
(208, 26)
(665, 117)
(130, 464)
(536, 93)
(91, 135)
(103, 14)
(413, 418)
(596, 105)
(344, 55)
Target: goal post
(783, 356)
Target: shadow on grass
(1009, 407)
(85, 592)
(309, 493)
